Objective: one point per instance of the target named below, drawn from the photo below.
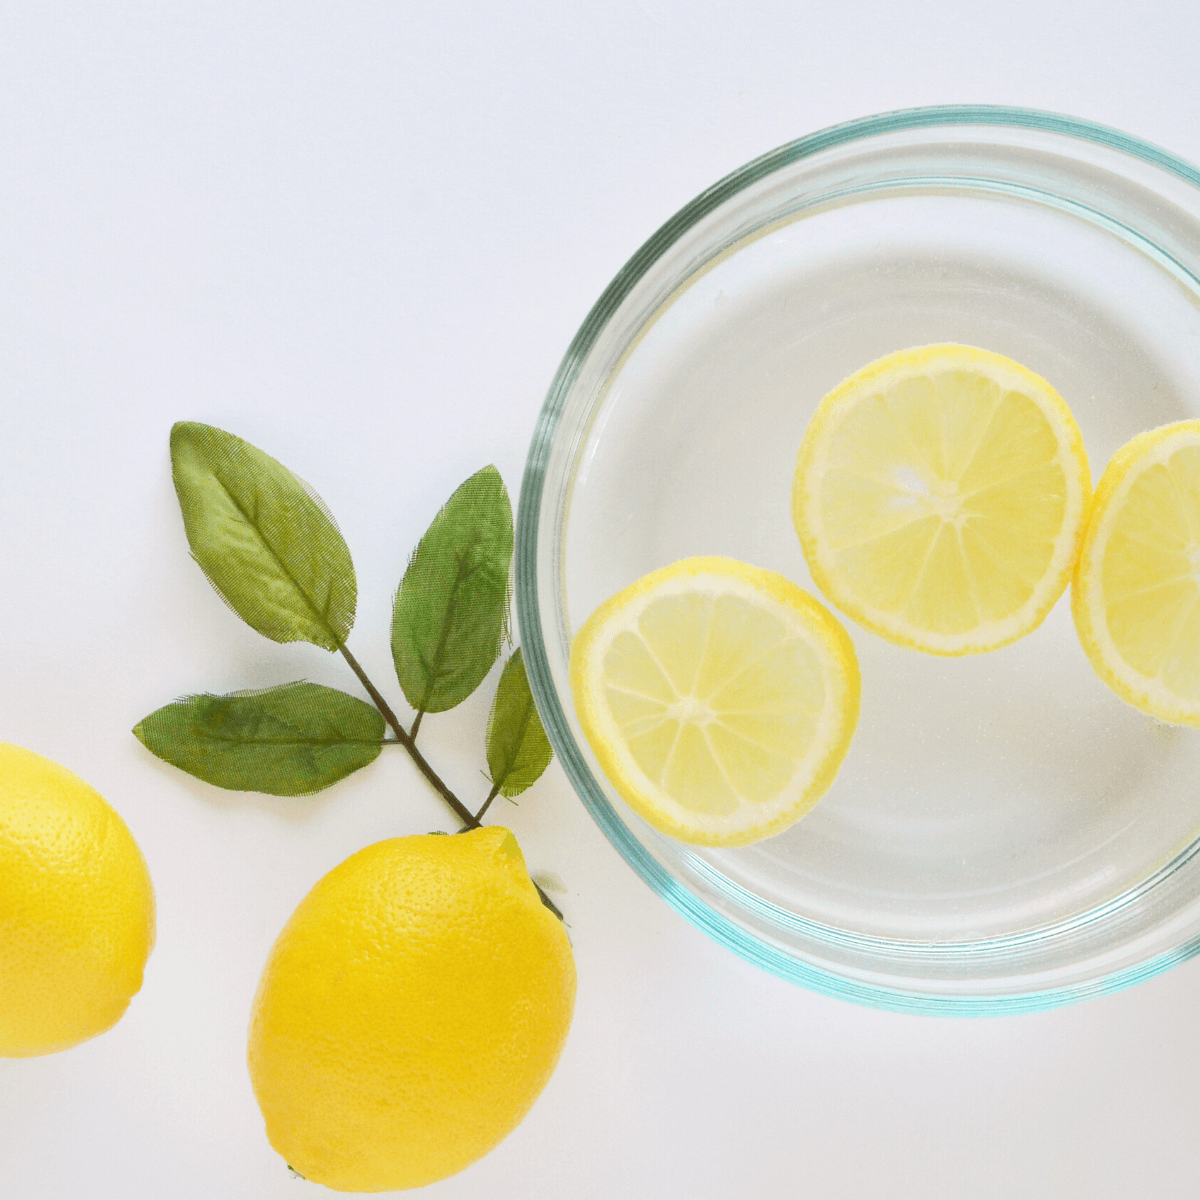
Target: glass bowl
(1005, 834)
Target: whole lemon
(76, 908)
(410, 1012)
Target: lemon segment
(940, 497)
(1136, 594)
(719, 698)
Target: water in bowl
(983, 795)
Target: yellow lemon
(76, 908)
(719, 698)
(940, 498)
(410, 1012)
(1136, 595)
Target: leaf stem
(549, 903)
(462, 811)
(491, 796)
(469, 819)
(412, 733)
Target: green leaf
(287, 741)
(451, 612)
(518, 750)
(267, 544)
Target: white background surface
(361, 236)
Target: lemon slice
(1136, 596)
(719, 698)
(940, 497)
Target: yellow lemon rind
(1087, 596)
(76, 906)
(814, 775)
(893, 368)
(410, 1012)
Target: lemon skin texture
(76, 908)
(410, 1012)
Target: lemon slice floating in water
(719, 698)
(1136, 595)
(940, 498)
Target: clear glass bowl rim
(690, 906)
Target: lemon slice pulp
(940, 497)
(719, 698)
(1136, 595)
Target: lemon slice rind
(1129, 464)
(803, 616)
(880, 377)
